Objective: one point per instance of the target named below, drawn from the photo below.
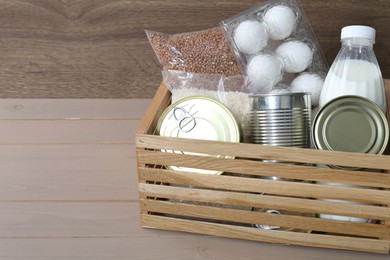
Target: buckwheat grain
(205, 52)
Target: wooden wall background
(98, 48)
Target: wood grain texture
(98, 49)
(284, 188)
(247, 150)
(45, 109)
(297, 222)
(192, 247)
(76, 201)
(205, 193)
(258, 168)
(250, 200)
(269, 236)
(68, 172)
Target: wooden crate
(223, 205)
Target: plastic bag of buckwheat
(206, 52)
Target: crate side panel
(254, 151)
(285, 188)
(290, 221)
(261, 201)
(158, 104)
(284, 237)
(235, 194)
(258, 168)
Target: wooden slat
(46, 213)
(67, 157)
(67, 131)
(263, 201)
(256, 168)
(72, 219)
(259, 168)
(63, 185)
(254, 151)
(118, 248)
(285, 237)
(178, 246)
(99, 48)
(71, 248)
(304, 223)
(68, 172)
(157, 106)
(18, 109)
(284, 188)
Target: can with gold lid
(351, 124)
(198, 117)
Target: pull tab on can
(184, 120)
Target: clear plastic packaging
(205, 52)
(355, 71)
(273, 44)
(231, 91)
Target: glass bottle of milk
(355, 71)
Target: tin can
(198, 117)
(281, 119)
(351, 124)
(268, 226)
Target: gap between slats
(285, 188)
(251, 167)
(262, 201)
(254, 151)
(288, 220)
(285, 237)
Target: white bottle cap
(360, 31)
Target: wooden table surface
(98, 48)
(68, 190)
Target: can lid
(283, 101)
(351, 124)
(269, 227)
(198, 117)
(361, 31)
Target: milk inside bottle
(355, 70)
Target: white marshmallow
(264, 71)
(250, 36)
(296, 56)
(281, 21)
(310, 83)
